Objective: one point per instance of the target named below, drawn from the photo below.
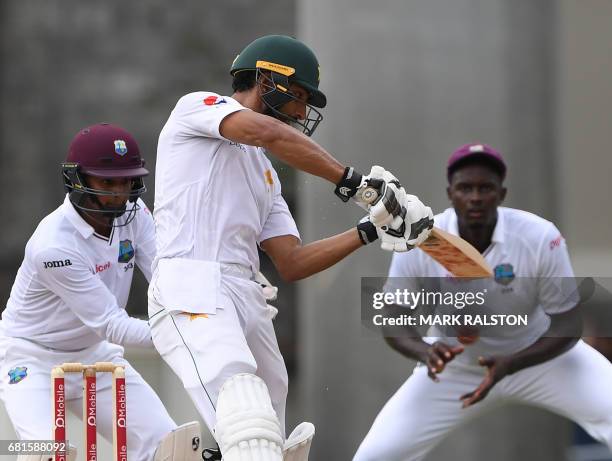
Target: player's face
(119, 188)
(475, 192)
(296, 108)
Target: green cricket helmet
(280, 60)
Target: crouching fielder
(68, 300)
(217, 197)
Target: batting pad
(182, 444)
(247, 426)
(297, 446)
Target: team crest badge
(504, 273)
(120, 147)
(126, 251)
(17, 374)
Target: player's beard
(104, 215)
(280, 116)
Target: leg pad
(247, 426)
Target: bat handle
(369, 195)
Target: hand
(497, 369)
(437, 356)
(379, 193)
(410, 228)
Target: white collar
(76, 219)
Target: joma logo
(52, 264)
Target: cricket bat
(455, 254)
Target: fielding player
(68, 300)
(534, 365)
(217, 197)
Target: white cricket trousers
(28, 402)
(577, 384)
(204, 350)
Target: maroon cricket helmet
(475, 152)
(106, 151)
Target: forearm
(543, 350)
(412, 347)
(564, 331)
(128, 331)
(410, 344)
(284, 142)
(404, 339)
(315, 257)
(301, 152)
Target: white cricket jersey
(215, 201)
(73, 285)
(532, 274)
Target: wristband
(348, 185)
(367, 232)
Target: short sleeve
(201, 113)
(557, 287)
(279, 221)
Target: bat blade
(455, 254)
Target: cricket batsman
(217, 199)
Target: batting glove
(415, 224)
(411, 228)
(379, 193)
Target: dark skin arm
(564, 331)
(408, 342)
(283, 141)
(294, 261)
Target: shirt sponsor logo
(129, 266)
(103, 267)
(214, 100)
(555, 243)
(504, 273)
(120, 147)
(59, 263)
(17, 374)
(126, 251)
